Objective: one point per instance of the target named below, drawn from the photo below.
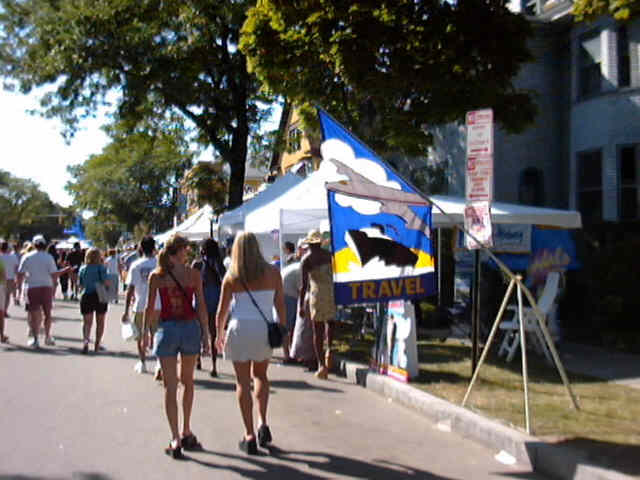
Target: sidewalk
(579, 459)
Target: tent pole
(487, 347)
(439, 264)
(523, 352)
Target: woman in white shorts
(250, 290)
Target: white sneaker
(33, 342)
(140, 367)
(49, 341)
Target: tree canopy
(27, 210)
(388, 68)
(207, 181)
(136, 178)
(622, 10)
(157, 55)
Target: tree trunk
(281, 135)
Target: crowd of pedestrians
(184, 312)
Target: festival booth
(235, 220)
(67, 244)
(198, 226)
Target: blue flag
(380, 225)
(77, 229)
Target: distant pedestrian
(212, 272)
(112, 264)
(53, 251)
(317, 279)
(75, 258)
(39, 272)
(18, 290)
(10, 263)
(289, 253)
(180, 331)
(137, 287)
(3, 292)
(64, 278)
(92, 272)
(250, 289)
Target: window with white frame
(589, 186)
(589, 69)
(629, 182)
(294, 138)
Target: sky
(33, 147)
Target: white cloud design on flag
(339, 150)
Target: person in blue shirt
(92, 272)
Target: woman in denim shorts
(181, 330)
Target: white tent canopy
(196, 227)
(304, 207)
(235, 219)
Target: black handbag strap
(184, 292)
(264, 317)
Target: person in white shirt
(112, 264)
(10, 262)
(291, 281)
(137, 286)
(39, 272)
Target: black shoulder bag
(275, 331)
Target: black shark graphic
(389, 251)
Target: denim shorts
(177, 336)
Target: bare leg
(187, 365)
(87, 323)
(212, 337)
(243, 393)
(36, 320)
(170, 378)
(2, 337)
(99, 329)
(318, 345)
(261, 389)
(328, 333)
(47, 320)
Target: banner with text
(380, 225)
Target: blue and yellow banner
(380, 225)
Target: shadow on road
(302, 385)
(74, 476)
(311, 465)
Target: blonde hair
(28, 247)
(247, 262)
(92, 256)
(173, 245)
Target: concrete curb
(555, 460)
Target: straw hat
(314, 236)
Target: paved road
(65, 415)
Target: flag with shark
(380, 225)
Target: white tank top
(243, 307)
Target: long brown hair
(247, 262)
(173, 245)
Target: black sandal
(248, 446)
(175, 453)
(264, 436)
(190, 442)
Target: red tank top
(174, 303)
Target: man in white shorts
(10, 262)
(137, 285)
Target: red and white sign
(479, 184)
(480, 132)
(477, 221)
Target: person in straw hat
(317, 277)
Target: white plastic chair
(511, 341)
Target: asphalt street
(66, 415)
